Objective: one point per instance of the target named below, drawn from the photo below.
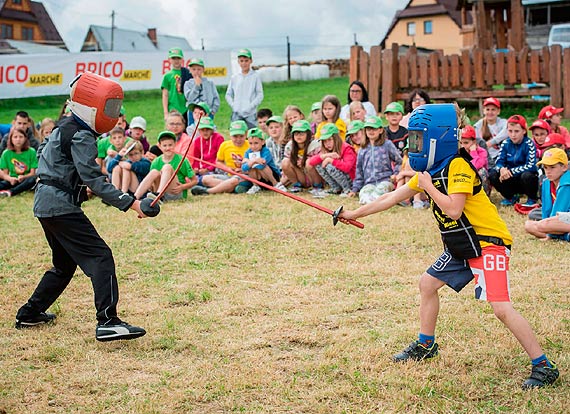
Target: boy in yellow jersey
(476, 240)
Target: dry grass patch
(258, 305)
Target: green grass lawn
(257, 304)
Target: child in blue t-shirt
(258, 162)
(126, 175)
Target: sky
(316, 28)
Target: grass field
(257, 304)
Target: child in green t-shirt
(18, 164)
(163, 167)
(172, 84)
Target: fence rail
(474, 73)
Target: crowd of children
(348, 150)
(345, 151)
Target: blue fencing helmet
(432, 137)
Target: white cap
(138, 122)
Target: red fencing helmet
(96, 101)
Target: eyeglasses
(418, 100)
(175, 123)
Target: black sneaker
(417, 352)
(540, 376)
(39, 319)
(199, 190)
(115, 329)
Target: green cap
(203, 105)
(245, 53)
(274, 118)
(175, 52)
(123, 110)
(301, 125)
(394, 107)
(238, 128)
(354, 127)
(196, 61)
(373, 122)
(206, 123)
(166, 134)
(327, 131)
(316, 106)
(255, 133)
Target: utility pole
(202, 39)
(288, 59)
(355, 41)
(112, 30)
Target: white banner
(50, 74)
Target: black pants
(525, 183)
(75, 242)
(25, 185)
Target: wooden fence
(389, 76)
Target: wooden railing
(474, 73)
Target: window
(427, 27)
(6, 31)
(16, 1)
(411, 29)
(27, 33)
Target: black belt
(497, 241)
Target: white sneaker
(418, 204)
(318, 193)
(281, 187)
(344, 193)
(254, 189)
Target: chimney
(152, 36)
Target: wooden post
(387, 78)
(523, 68)
(566, 89)
(466, 63)
(480, 24)
(375, 75)
(517, 33)
(354, 63)
(363, 68)
(556, 76)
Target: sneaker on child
(114, 329)
(280, 186)
(254, 189)
(41, 318)
(540, 376)
(417, 351)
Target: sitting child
(163, 167)
(316, 116)
(336, 163)
(18, 164)
(230, 155)
(258, 162)
(478, 156)
(136, 131)
(205, 147)
(274, 141)
(553, 116)
(197, 110)
(515, 171)
(395, 132)
(297, 153)
(555, 223)
(355, 134)
(539, 130)
(126, 175)
(377, 164)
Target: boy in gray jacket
(66, 167)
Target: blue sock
(426, 340)
(541, 360)
(317, 185)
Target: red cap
(468, 132)
(492, 101)
(548, 111)
(554, 139)
(540, 123)
(517, 119)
